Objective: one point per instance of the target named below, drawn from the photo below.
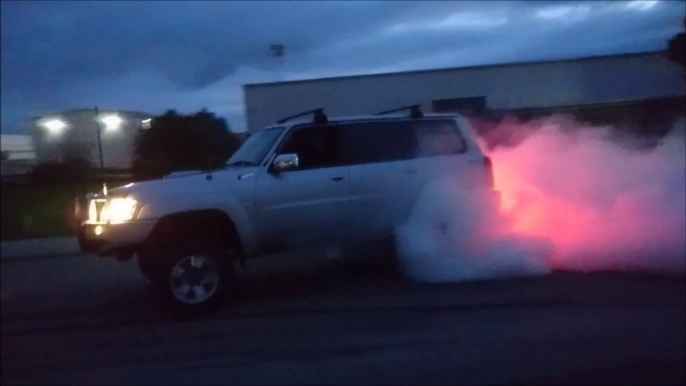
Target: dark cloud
(139, 55)
(194, 43)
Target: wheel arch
(212, 223)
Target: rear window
(438, 138)
(387, 141)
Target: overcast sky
(152, 56)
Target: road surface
(309, 320)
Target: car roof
(351, 118)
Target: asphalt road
(308, 320)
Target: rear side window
(438, 138)
(371, 142)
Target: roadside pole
(98, 130)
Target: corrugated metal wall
(532, 85)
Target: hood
(184, 174)
(188, 182)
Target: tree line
(176, 142)
(676, 47)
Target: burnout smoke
(573, 197)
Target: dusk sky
(153, 56)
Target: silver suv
(301, 182)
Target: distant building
(73, 136)
(639, 88)
(17, 147)
(18, 154)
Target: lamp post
(111, 122)
(56, 126)
(278, 51)
(98, 130)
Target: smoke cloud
(572, 197)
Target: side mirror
(284, 162)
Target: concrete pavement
(45, 247)
(308, 320)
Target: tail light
(488, 166)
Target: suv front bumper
(114, 239)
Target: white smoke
(572, 199)
(456, 234)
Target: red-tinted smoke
(602, 203)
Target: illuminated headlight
(119, 210)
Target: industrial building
(638, 89)
(73, 136)
(18, 154)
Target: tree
(71, 164)
(74, 153)
(676, 49)
(177, 142)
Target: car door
(307, 205)
(384, 179)
(391, 162)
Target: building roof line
(101, 110)
(448, 69)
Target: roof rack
(415, 112)
(319, 116)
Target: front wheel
(196, 278)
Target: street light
(55, 125)
(146, 123)
(112, 122)
(277, 51)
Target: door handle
(337, 178)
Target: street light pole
(277, 51)
(98, 130)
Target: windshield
(255, 148)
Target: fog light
(98, 230)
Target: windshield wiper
(242, 163)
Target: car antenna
(415, 111)
(319, 116)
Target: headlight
(119, 210)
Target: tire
(195, 276)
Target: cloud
(70, 54)
(564, 12)
(194, 44)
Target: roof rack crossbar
(415, 112)
(319, 116)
